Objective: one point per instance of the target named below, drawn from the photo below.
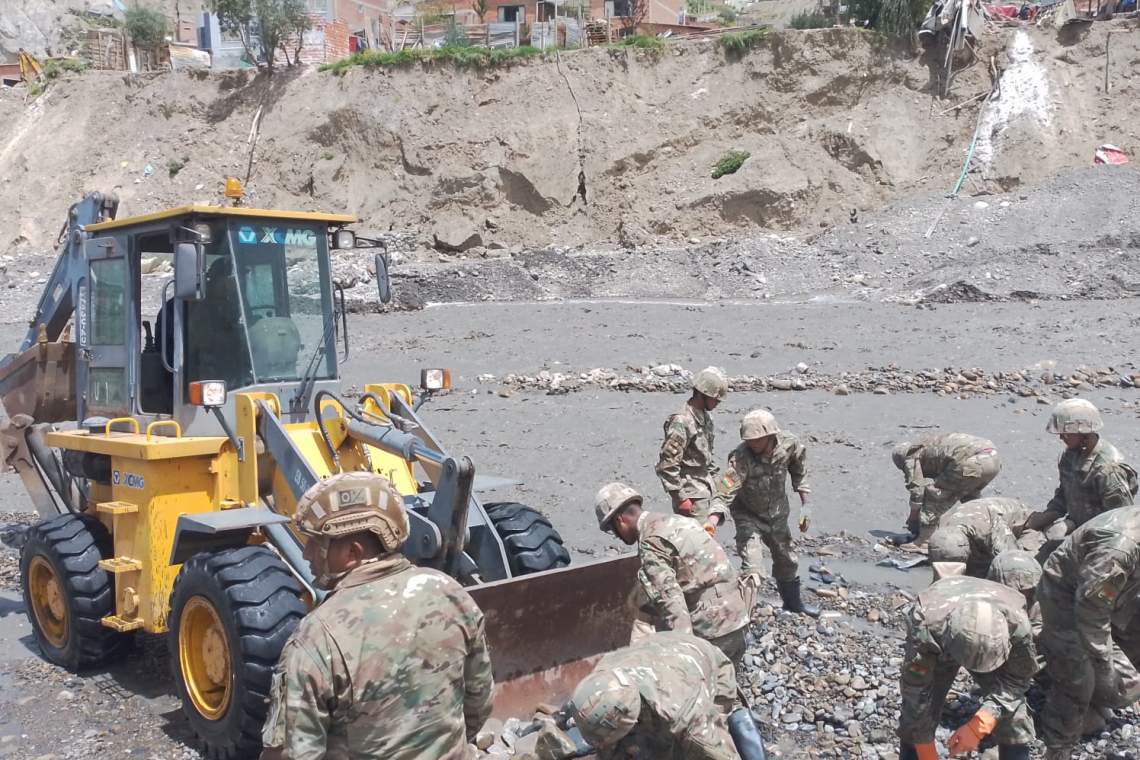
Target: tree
(147, 27)
(635, 13)
(480, 7)
(280, 22)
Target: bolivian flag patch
(1107, 595)
(916, 669)
(730, 481)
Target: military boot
(746, 737)
(919, 544)
(1058, 753)
(790, 593)
(1013, 752)
(908, 752)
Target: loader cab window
(108, 317)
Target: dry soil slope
(546, 152)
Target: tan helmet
(949, 544)
(979, 637)
(901, 453)
(711, 382)
(353, 502)
(606, 705)
(612, 498)
(1017, 569)
(1074, 415)
(757, 424)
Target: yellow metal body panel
(134, 445)
(257, 213)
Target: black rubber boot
(1013, 752)
(745, 735)
(908, 752)
(790, 593)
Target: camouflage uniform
(928, 670)
(754, 489)
(977, 531)
(1093, 484)
(690, 583)
(393, 664)
(686, 466)
(945, 469)
(1088, 596)
(686, 689)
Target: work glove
(926, 751)
(710, 529)
(804, 524)
(685, 507)
(968, 737)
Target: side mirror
(189, 271)
(383, 284)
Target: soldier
(686, 577)
(970, 535)
(941, 471)
(753, 488)
(686, 467)
(393, 664)
(1094, 476)
(1088, 595)
(981, 626)
(670, 695)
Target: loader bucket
(40, 382)
(545, 631)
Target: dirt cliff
(596, 145)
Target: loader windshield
(267, 306)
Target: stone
(552, 744)
(455, 233)
(65, 696)
(841, 390)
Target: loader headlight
(208, 393)
(344, 240)
(435, 379)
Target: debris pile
(958, 383)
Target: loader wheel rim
(49, 603)
(204, 656)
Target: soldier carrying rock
(970, 535)
(981, 626)
(941, 471)
(1094, 476)
(670, 695)
(686, 466)
(1088, 596)
(753, 487)
(393, 664)
(686, 577)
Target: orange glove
(710, 529)
(926, 751)
(967, 738)
(803, 524)
(685, 507)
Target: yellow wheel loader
(166, 458)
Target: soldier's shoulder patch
(917, 669)
(730, 480)
(1107, 595)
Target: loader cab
(202, 293)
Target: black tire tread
(532, 543)
(77, 543)
(263, 607)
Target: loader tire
(532, 543)
(67, 594)
(235, 606)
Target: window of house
(617, 8)
(512, 13)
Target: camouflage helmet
(1017, 569)
(979, 637)
(949, 544)
(711, 382)
(605, 707)
(757, 424)
(900, 453)
(1074, 415)
(353, 502)
(612, 498)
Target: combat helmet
(605, 707)
(949, 544)
(711, 382)
(1017, 569)
(757, 424)
(349, 503)
(979, 637)
(1074, 415)
(610, 499)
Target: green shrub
(739, 43)
(643, 42)
(460, 57)
(810, 20)
(174, 166)
(729, 164)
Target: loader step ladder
(117, 565)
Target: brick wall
(326, 42)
